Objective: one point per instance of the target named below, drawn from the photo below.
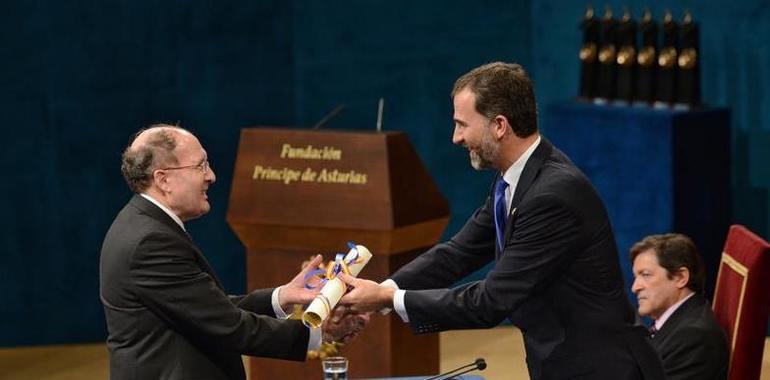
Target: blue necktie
(500, 215)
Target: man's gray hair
(139, 162)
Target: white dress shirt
(667, 314)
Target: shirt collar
(664, 317)
(513, 173)
(166, 210)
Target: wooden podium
(296, 193)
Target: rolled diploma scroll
(333, 290)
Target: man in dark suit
(668, 282)
(167, 314)
(556, 273)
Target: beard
(486, 153)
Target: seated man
(668, 282)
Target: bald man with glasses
(168, 316)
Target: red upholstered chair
(742, 300)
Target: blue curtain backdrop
(77, 78)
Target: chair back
(742, 300)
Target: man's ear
(682, 277)
(501, 126)
(161, 180)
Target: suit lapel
(673, 321)
(528, 176)
(204, 263)
(156, 213)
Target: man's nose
(457, 136)
(211, 176)
(636, 286)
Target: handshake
(342, 313)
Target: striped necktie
(501, 216)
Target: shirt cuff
(279, 313)
(314, 343)
(398, 304)
(392, 284)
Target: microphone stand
(461, 373)
(329, 116)
(479, 364)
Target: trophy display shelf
(657, 170)
(296, 193)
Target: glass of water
(335, 368)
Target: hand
(366, 296)
(344, 324)
(295, 291)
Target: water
(335, 374)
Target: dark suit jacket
(558, 279)
(167, 314)
(691, 343)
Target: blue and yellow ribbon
(332, 269)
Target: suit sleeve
(467, 251)
(167, 278)
(546, 234)
(258, 301)
(695, 354)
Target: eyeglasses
(203, 167)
